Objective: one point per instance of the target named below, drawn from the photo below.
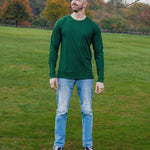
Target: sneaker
(88, 148)
(57, 148)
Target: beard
(76, 8)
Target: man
(75, 32)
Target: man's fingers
(52, 83)
(54, 88)
(99, 88)
(98, 91)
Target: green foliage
(96, 4)
(117, 3)
(15, 10)
(1, 2)
(56, 9)
(139, 13)
(127, 18)
(143, 28)
(88, 12)
(134, 18)
(114, 24)
(37, 6)
(40, 21)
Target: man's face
(78, 5)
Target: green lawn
(28, 105)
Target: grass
(28, 105)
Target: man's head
(78, 5)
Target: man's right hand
(53, 82)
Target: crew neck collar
(79, 20)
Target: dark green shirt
(75, 38)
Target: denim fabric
(85, 92)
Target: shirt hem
(75, 77)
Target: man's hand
(99, 87)
(53, 82)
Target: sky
(130, 1)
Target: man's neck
(78, 15)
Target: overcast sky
(130, 1)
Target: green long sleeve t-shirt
(75, 38)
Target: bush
(143, 28)
(40, 21)
(25, 23)
(114, 24)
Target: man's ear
(85, 4)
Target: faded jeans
(85, 93)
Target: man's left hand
(99, 87)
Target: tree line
(44, 13)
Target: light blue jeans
(85, 92)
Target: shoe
(57, 148)
(88, 148)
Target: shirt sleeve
(54, 47)
(98, 53)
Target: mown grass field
(28, 105)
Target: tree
(40, 21)
(97, 4)
(139, 13)
(37, 7)
(17, 10)
(1, 2)
(117, 3)
(56, 9)
(115, 23)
